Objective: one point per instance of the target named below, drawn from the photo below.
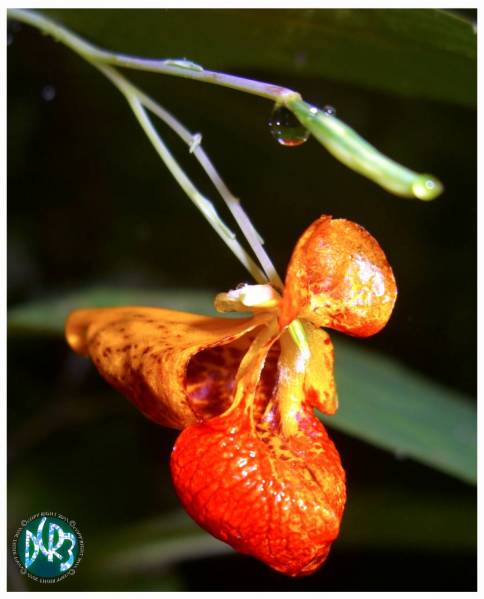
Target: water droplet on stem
(183, 63)
(426, 187)
(286, 129)
(329, 110)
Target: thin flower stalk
(340, 140)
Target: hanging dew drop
(286, 129)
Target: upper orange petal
(177, 368)
(339, 277)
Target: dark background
(90, 203)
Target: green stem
(137, 99)
(241, 218)
(178, 68)
(339, 139)
(201, 202)
(233, 203)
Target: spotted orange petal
(339, 277)
(177, 368)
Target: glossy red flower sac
(282, 506)
(269, 482)
(253, 465)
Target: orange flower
(253, 465)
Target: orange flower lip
(253, 465)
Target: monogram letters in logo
(47, 547)
(34, 544)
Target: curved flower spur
(253, 465)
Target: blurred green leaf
(48, 316)
(424, 53)
(398, 409)
(375, 518)
(165, 551)
(381, 401)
